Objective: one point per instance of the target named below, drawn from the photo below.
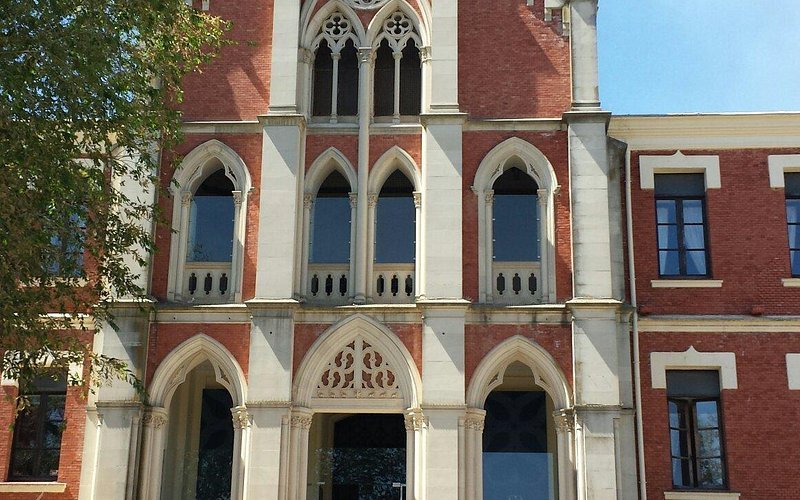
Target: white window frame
(194, 169)
(678, 163)
(691, 359)
(494, 164)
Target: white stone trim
(793, 370)
(172, 370)
(700, 495)
(691, 359)
(686, 283)
(374, 30)
(74, 372)
(649, 165)
(32, 487)
(339, 335)
(493, 165)
(394, 158)
(192, 171)
(719, 324)
(778, 165)
(331, 159)
(791, 282)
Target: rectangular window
(698, 458)
(36, 446)
(793, 219)
(680, 222)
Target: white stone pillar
(306, 58)
(425, 62)
(235, 278)
(284, 67)
(564, 421)
(488, 247)
(372, 202)
(266, 464)
(583, 44)
(279, 227)
(473, 453)
(336, 56)
(415, 454)
(241, 452)
(361, 262)
(308, 205)
(299, 423)
(544, 247)
(183, 243)
(154, 436)
(396, 105)
(444, 54)
(418, 271)
(351, 277)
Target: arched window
(515, 222)
(335, 79)
(515, 185)
(398, 69)
(208, 221)
(211, 220)
(395, 221)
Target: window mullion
(679, 229)
(336, 55)
(398, 55)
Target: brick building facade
(406, 239)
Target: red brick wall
(379, 144)
(164, 337)
(318, 144)
(479, 339)
(476, 145)
(511, 63)
(235, 85)
(758, 417)
(746, 223)
(305, 334)
(248, 147)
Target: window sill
(685, 283)
(700, 495)
(791, 282)
(32, 487)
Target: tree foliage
(88, 97)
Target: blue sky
(674, 56)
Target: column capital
(155, 417)
(308, 200)
(488, 196)
(474, 419)
(415, 420)
(353, 199)
(301, 418)
(372, 199)
(365, 55)
(186, 198)
(241, 418)
(305, 55)
(417, 199)
(237, 198)
(564, 420)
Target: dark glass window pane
(331, 237)
(693, 237)
(668, 237)
(693, 211)
(674, 416)
(792, 183)
(696, 263)
(794, 256)
(793, 211)
(707, 414)
(347, 98)
(708, 443)
(323, 80)
(515, 228)
(693, 383)
(680, 184)
(211, 220)
(710, 473)
(395, 230)
(668, 263)
(665, 211)
(410, 80)
(384, 80)
(680, 472)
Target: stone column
(183, 244)
(241, 452)
(372, 202)
(473, 453)
(544, 248)
(364, 113)
(267, 461)
(235, 278)
(488, 247)
(416, 427)
(418, 271)
(583, 44)
(564, 421)
(351, 277)
(154, 437)
(284, 68)
(299, 425)
(308, 205)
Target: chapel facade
(408, 255)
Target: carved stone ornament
(414, 420)
(186, 198)
(564, 420)
(237, 198)
(358, 371)
(154, 420)
(337, 26)
(300, 421)
(366, 4)
(241, 419)
(417, 199)
(353, 200)
(489, 197)
(308, 200)
(397, 26)
(474, 422)
(372, 200)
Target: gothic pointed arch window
(335, 69)
(208, 219)
(397, 77)
(515, 185)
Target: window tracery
(358, 371)
(335, 80)
(398, 68)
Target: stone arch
(546, 372)
(395, 158)
(515, 152)
(331, 159)
(172, 371)
(202, 161)
(312, 20)
(392, 393)
(420, 33)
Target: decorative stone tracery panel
(358, 371)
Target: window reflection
(211, 220)
(330, 238)
(395, 221)
(515, 223)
